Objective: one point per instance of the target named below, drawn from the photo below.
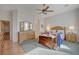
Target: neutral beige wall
(4, 15)
(37, 26)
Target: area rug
(33, 47)
(43, 51)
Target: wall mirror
(25, 26)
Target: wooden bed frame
(47, 41)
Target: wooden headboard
(57, 28)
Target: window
(24, 26)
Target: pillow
(53, 31)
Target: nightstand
(71, 37)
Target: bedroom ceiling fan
(45, 9)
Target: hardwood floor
(7, 47)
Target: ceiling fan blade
(49, 11)
(46, 8)
(44, 13)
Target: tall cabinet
(4, 30)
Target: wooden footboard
(47, 41)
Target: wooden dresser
(22, 36)
(72, 37)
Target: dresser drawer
(71, 37)
(26, 36)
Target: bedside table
(71, 37)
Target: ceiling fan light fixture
(45, 9)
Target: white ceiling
(58, 8)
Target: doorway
(4, 30)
